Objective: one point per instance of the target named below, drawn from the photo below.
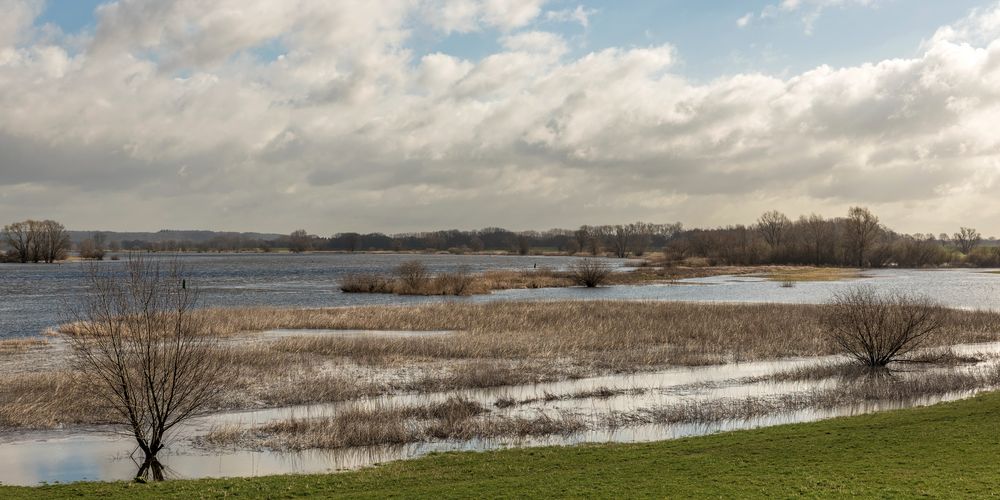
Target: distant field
(948, 450)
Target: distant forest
(858, 239)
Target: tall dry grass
(607, 334)
(495, 344)
(454, 418)
(878, 389)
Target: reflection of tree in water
(153, 363)
(151, 469)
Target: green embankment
(948, 450)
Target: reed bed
(460, 419)
(454, 418)
(18, 346)
(886, 388)
(604, 334)
(597, 393)
(46, 400)
(494, 344)
(455, 283)
(462, 283)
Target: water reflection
(75, 455)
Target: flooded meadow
(332, 381)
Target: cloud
(580, 15)
(464, 16)
(745, 21)
(809, 11)
(167, 118)
(15, 23)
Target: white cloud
(981, 26)
(166, 120)
(579, 15)
(464, 16)
(808, 10)
(745, 21)
(16, 20)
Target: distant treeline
(857, 239)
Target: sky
(406, 115)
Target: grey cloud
(349, 127)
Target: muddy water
(73, 455)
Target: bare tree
(582, 237)
(413, 275)
(54, 241)
(819, 236)
(298, 241)
(773, 226)
(89, 249)
(20, 237)
(862, 229)
(642, 236)
(620, 237)
(351, 240)
(877, 329)
(37, 241)
(523, 244)
(967, 239)
(152, 362)
(589, 272)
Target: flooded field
(36, 297)
(600, 403)
(957, 288)
(612, 364)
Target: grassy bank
(947, 450)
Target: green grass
(948, 450)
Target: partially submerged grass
(596, 393)
(457, 283)
(946, 450)
(885, 388)
(495, 344)
(17, 346)
(792, 275)
(454, 418)
(459, 419)
(461, 283)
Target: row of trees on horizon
(857, 239)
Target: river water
(34, 297)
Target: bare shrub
(366, 283)
(413, 276)
(878, 329)
(459, 282)
(152, 363)
(590, 272)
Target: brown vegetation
(151, 364)
(36, 241)
(590, 272)
(865, 390)
(494, 344)
(454, 418)
(877, 329)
